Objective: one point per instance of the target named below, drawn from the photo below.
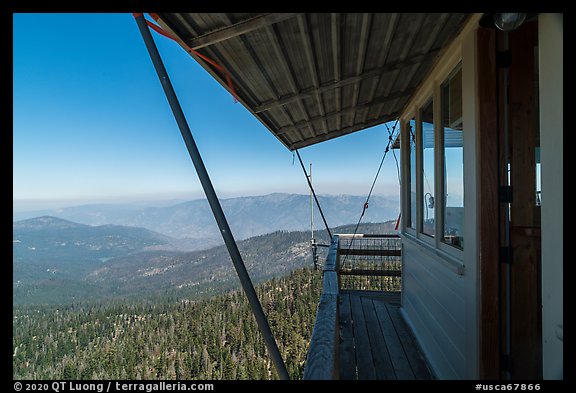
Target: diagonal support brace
(212, 199)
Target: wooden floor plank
(387, 297)
(414, 356)
(375, 341)
(347, 351)
(382, 363)
(364, 361)
(401, 364)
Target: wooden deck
(375, 342)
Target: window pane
(428, 168)
(412, 152)
(453, 161)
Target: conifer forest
(168, 338)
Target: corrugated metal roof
(313, 77)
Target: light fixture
(508, 21)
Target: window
(411, 134)
(428, 141)
(453, 203)
(434, 191)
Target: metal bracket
(461, 270)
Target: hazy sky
(91, 123)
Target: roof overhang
(313, 77)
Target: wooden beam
(373, 273)
(269, 85)
(323, 354)
(332, 257)
(488, 221)
(343, 131)
(368, 236)
(242, 85)
(526, 339)
(330, 283)
(357, 108)
(377, 252)
(239, 28)
(322, 359)
(344, 82)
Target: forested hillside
(175, 338)
(144, 322)
(96, 267)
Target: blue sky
(92, 124)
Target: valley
(112, 301)
(193, 227)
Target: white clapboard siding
(433, 305)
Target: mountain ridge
(61, 266)
(46, 222)
(248, 216)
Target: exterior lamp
(508, 21)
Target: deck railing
(322, 359)
(359, 262)
(370, 262)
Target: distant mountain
(62, 265)
(247, 216)
(62, 238)
(51, 252)
(45, 223)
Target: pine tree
(213, 338)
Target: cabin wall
(440, 285)
(433, 304)
(441, 291)
(550, 47)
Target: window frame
(444, 245)
(436, 243)
(407, 174)
(420, 173)
(441, 245)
